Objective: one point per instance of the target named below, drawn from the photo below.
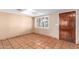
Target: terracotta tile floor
(36, 41)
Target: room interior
(39, 28)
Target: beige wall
(53, 29)
(12, 25)
(77, 27)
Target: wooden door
(67, 26)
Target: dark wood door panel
(67, 26)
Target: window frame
(41, 19)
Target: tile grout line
(19, 44)
(10, 44)
(2, 44)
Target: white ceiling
(41, 11)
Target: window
(42, 22)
